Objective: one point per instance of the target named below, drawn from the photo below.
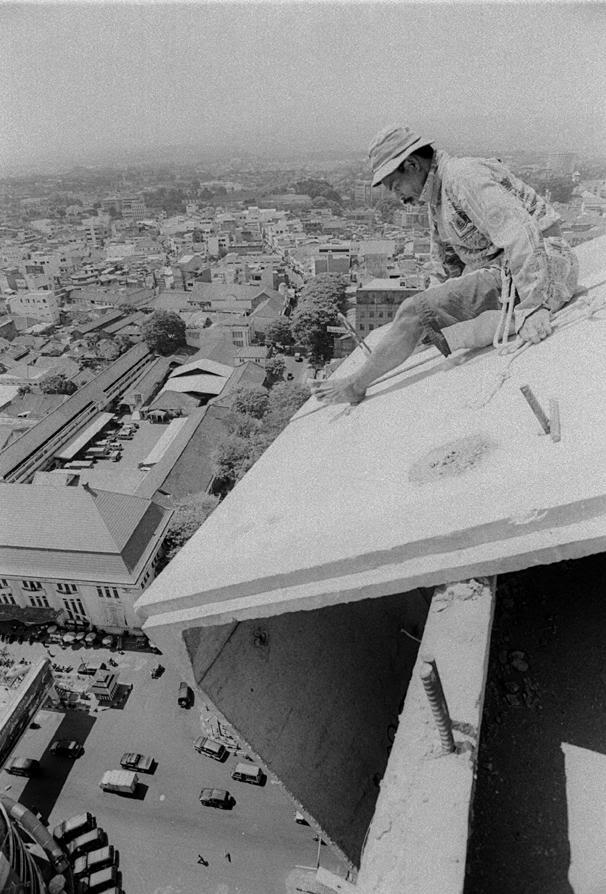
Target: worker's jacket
(481, 214)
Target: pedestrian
(228, 856)
(499, 262)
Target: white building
(41, 305)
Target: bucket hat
(390, 147)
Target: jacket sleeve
(498, 214)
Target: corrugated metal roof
(199, 384)
(164, 441)
(71, 409)
(87, 435)
(202, 365)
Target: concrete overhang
(294, 609)
(426, 481)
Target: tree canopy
(57, 383)
(251, 400)
(322, 298)
(278, 333)
(315, 188)
(236, 454)
(189, 515)
(274, 368)
(164, 332)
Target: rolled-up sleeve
(506, 222)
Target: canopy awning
(84, 437)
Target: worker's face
(407, 181)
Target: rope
(587, 307)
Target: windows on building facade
(75, 609)
(31, 585)
(66, 588)
(39, 600)
(108, 592)
(7, 598)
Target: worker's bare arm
(395, 347)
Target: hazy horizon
(85, 81)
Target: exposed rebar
(437, 702)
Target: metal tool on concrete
(536, 407)
(437, 702)
(351, 331)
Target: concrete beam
(418, 836)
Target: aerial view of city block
(227, 666)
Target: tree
(57, 383)
(251, 400)
(321, 300)
(236, 454)
(278, 333)
(108, 349)
(314, 188)
(164, 332)
(274, 368)
(231, 459)
(189, 515)
(22, 390)
(124, 342)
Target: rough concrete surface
(538, 820)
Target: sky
(82, 79)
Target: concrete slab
(422, 483)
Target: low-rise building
(38, 305)
(86, 553)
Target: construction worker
(500, 264)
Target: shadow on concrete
(41, 793)
(546, 687)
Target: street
(160, 832)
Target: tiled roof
(74, 519)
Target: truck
(124, 782)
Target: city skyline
(88, 82)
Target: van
(96, 860)
(216, 750)
(248, 773)
(123, 782)
(186, 696)
(90, 841)
(74, 826)
(100, 881)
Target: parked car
(157, 671)
(96, 860)
(67, 748)
(74, 827)
(89, 841)
(216, 797)
(185, 697)
(299, 818)
(248, 773)
(216, 750)
(102, 881)
(130, 760)
(23, 766)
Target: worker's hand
(536, 327)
